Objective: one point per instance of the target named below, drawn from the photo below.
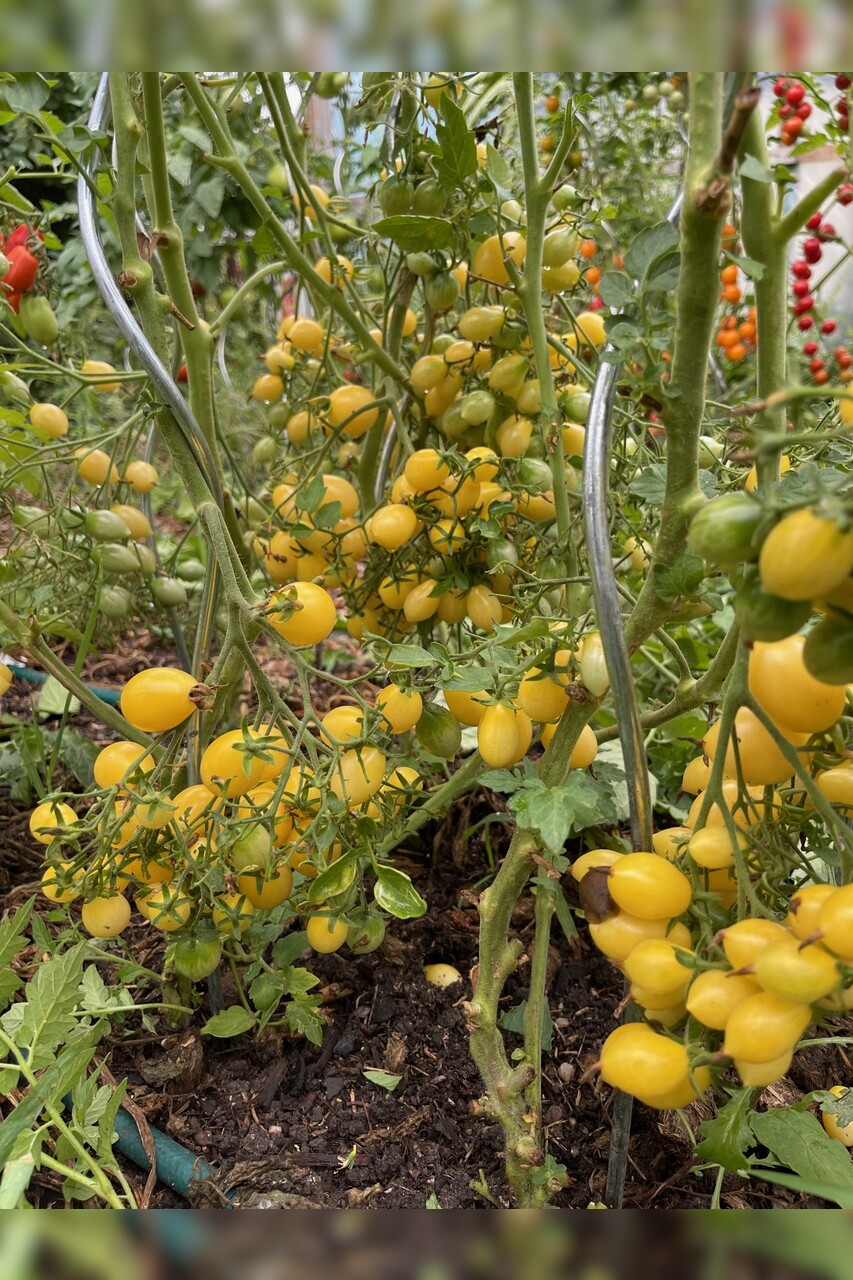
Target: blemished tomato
(762, 1028)
(401, 708)
(805, 556)
(120, 760)
(714, 995)
(96, 467)
(490, 258)
(796, 972)
(351, 409)
(326, 934)
(442, 975)
(649, 887)
(141, 476)
(779, 681)
(311, 622)
(50, 419)
(829, 1118)
(593, 858)
(106, 917)
(267, 893)
(158, 699)
(804, 908)
(47, 816)
(99, 369)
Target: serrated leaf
(650, 484)
(616, 289)
(662, 274)
(51, 1085)
(336, 879)
(298, 982)
(54, 699)
(458, 157)
(553, 812)
(210, 193)
(749, 266)
(79, 754)
(384, 1079)
(235, 1021)
(799, 1142)
(413, 231)
(683, 578)
(513, 1020)
(727, 1138)
(504, 781)
(650, 244)
(396, 894)
(51, 996)
(408, 655)
(289, 948)
(303, 1019)
(12, 940)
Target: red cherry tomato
(23, 269)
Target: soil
(288, 1124)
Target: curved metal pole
(117, 306)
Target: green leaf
(458, 157)
(209, 194)
(651, 244)
(303, 1019)
(799, 1141)
(395, 893)
(408, 655)
(553, 812)
(650, 484)
(749, 266)
(751, 167)
(413, 231)
(840, 1107)
(432, 1201)
(563, 913)
(78, 754)
(497, 168)
(298, 982)
(840, 1195)
(51, 1085)
(662, 274)
(504, 781)
(54, 699)
(107, 1121)
(336, 879)
(230, 1022)
(683, 578)
(12, 940)
(51, 996)
(27, 92)
(384, 1079)
(289, 948)
(727, 1138)
(16, 1179)
(513, 1020)
(616, 289)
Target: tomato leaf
(336, 879)
(616, 289)
(303, 1019)
(553, 812)
(54, 699)
(384, 1079)
(683, 578)
(12, 940)
(414, 231)
(513, 1020)
(27, 92)
(727, 1138)
(230, 1022)
(649, 245)
(751, 167)
(798, 1141)
(458, 158)
(395, 892)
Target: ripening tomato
(714, 995)
(352, 410)
(805, 556)
(401, 708)
(649, 887)
(762, 1028)
(490, 256)
(267, 892)
(779, 681)
(106, 917)
(357, 775)
(50, 419)
(325, 933)
(99, 369)
(232, 913)
(141, 476)
(138, 524)
(120, 760)
(313, 619)
(158, 699)
(167, 906)
(96, 467)
(47, 818)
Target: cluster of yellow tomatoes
(756, 980)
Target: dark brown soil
(286, 1123)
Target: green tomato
(191, 570)
(439, 731)
(762, 616)
(38, 319)
(395, 195)
(725, 530)
(169, 592)
(114, 602)
(429, 198)
(828, 651)
(106, 526)
(366, 932)
(265, 449)
(441, 291)
(197, 956)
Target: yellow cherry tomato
(158, 699)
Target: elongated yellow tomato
(232, 913)
(401, 708)
(280, 557)
(743, 940)
(137, 521)
(428, 372)
(120, 760)
(421, 602)
(712, 848)
(637, 1060)
(141, 476)
(796, 972)
(746, 810)
(478, 324)
(751, 482)
(99, 369)
(311, 621)
(50, 419)
(158, 699)
(228, 768)
(762, 1028)
(341, 270)
(590, 325)
(779, 681)
(357, 775)
(490, 257)
(266, 893)
(351, 410)
(761, 760)
(591, 859)
(695, 776)
(714, 995)
(837, 785)
(497, 736)
(669, 842)
(325, 933)
(835, 922)
(339, 489)
(468, 708)
(649, 887)
(658, 966)
(758, 1075)
(451, 606)
(5, 679)
(47, 818)
(306, 335)
(392, 526)
(484, 462)
(447, 536)
(96, 467)
(425, 470)
(483, 608)
(804, 908)
(584, 750)
(513, 436)
(106, 917)
(593, 666)
(805, 556)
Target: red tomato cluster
(23, 264)
(794, 109)
(804, 302)
(736, 333)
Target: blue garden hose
(39, 677)
(177, 1167)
